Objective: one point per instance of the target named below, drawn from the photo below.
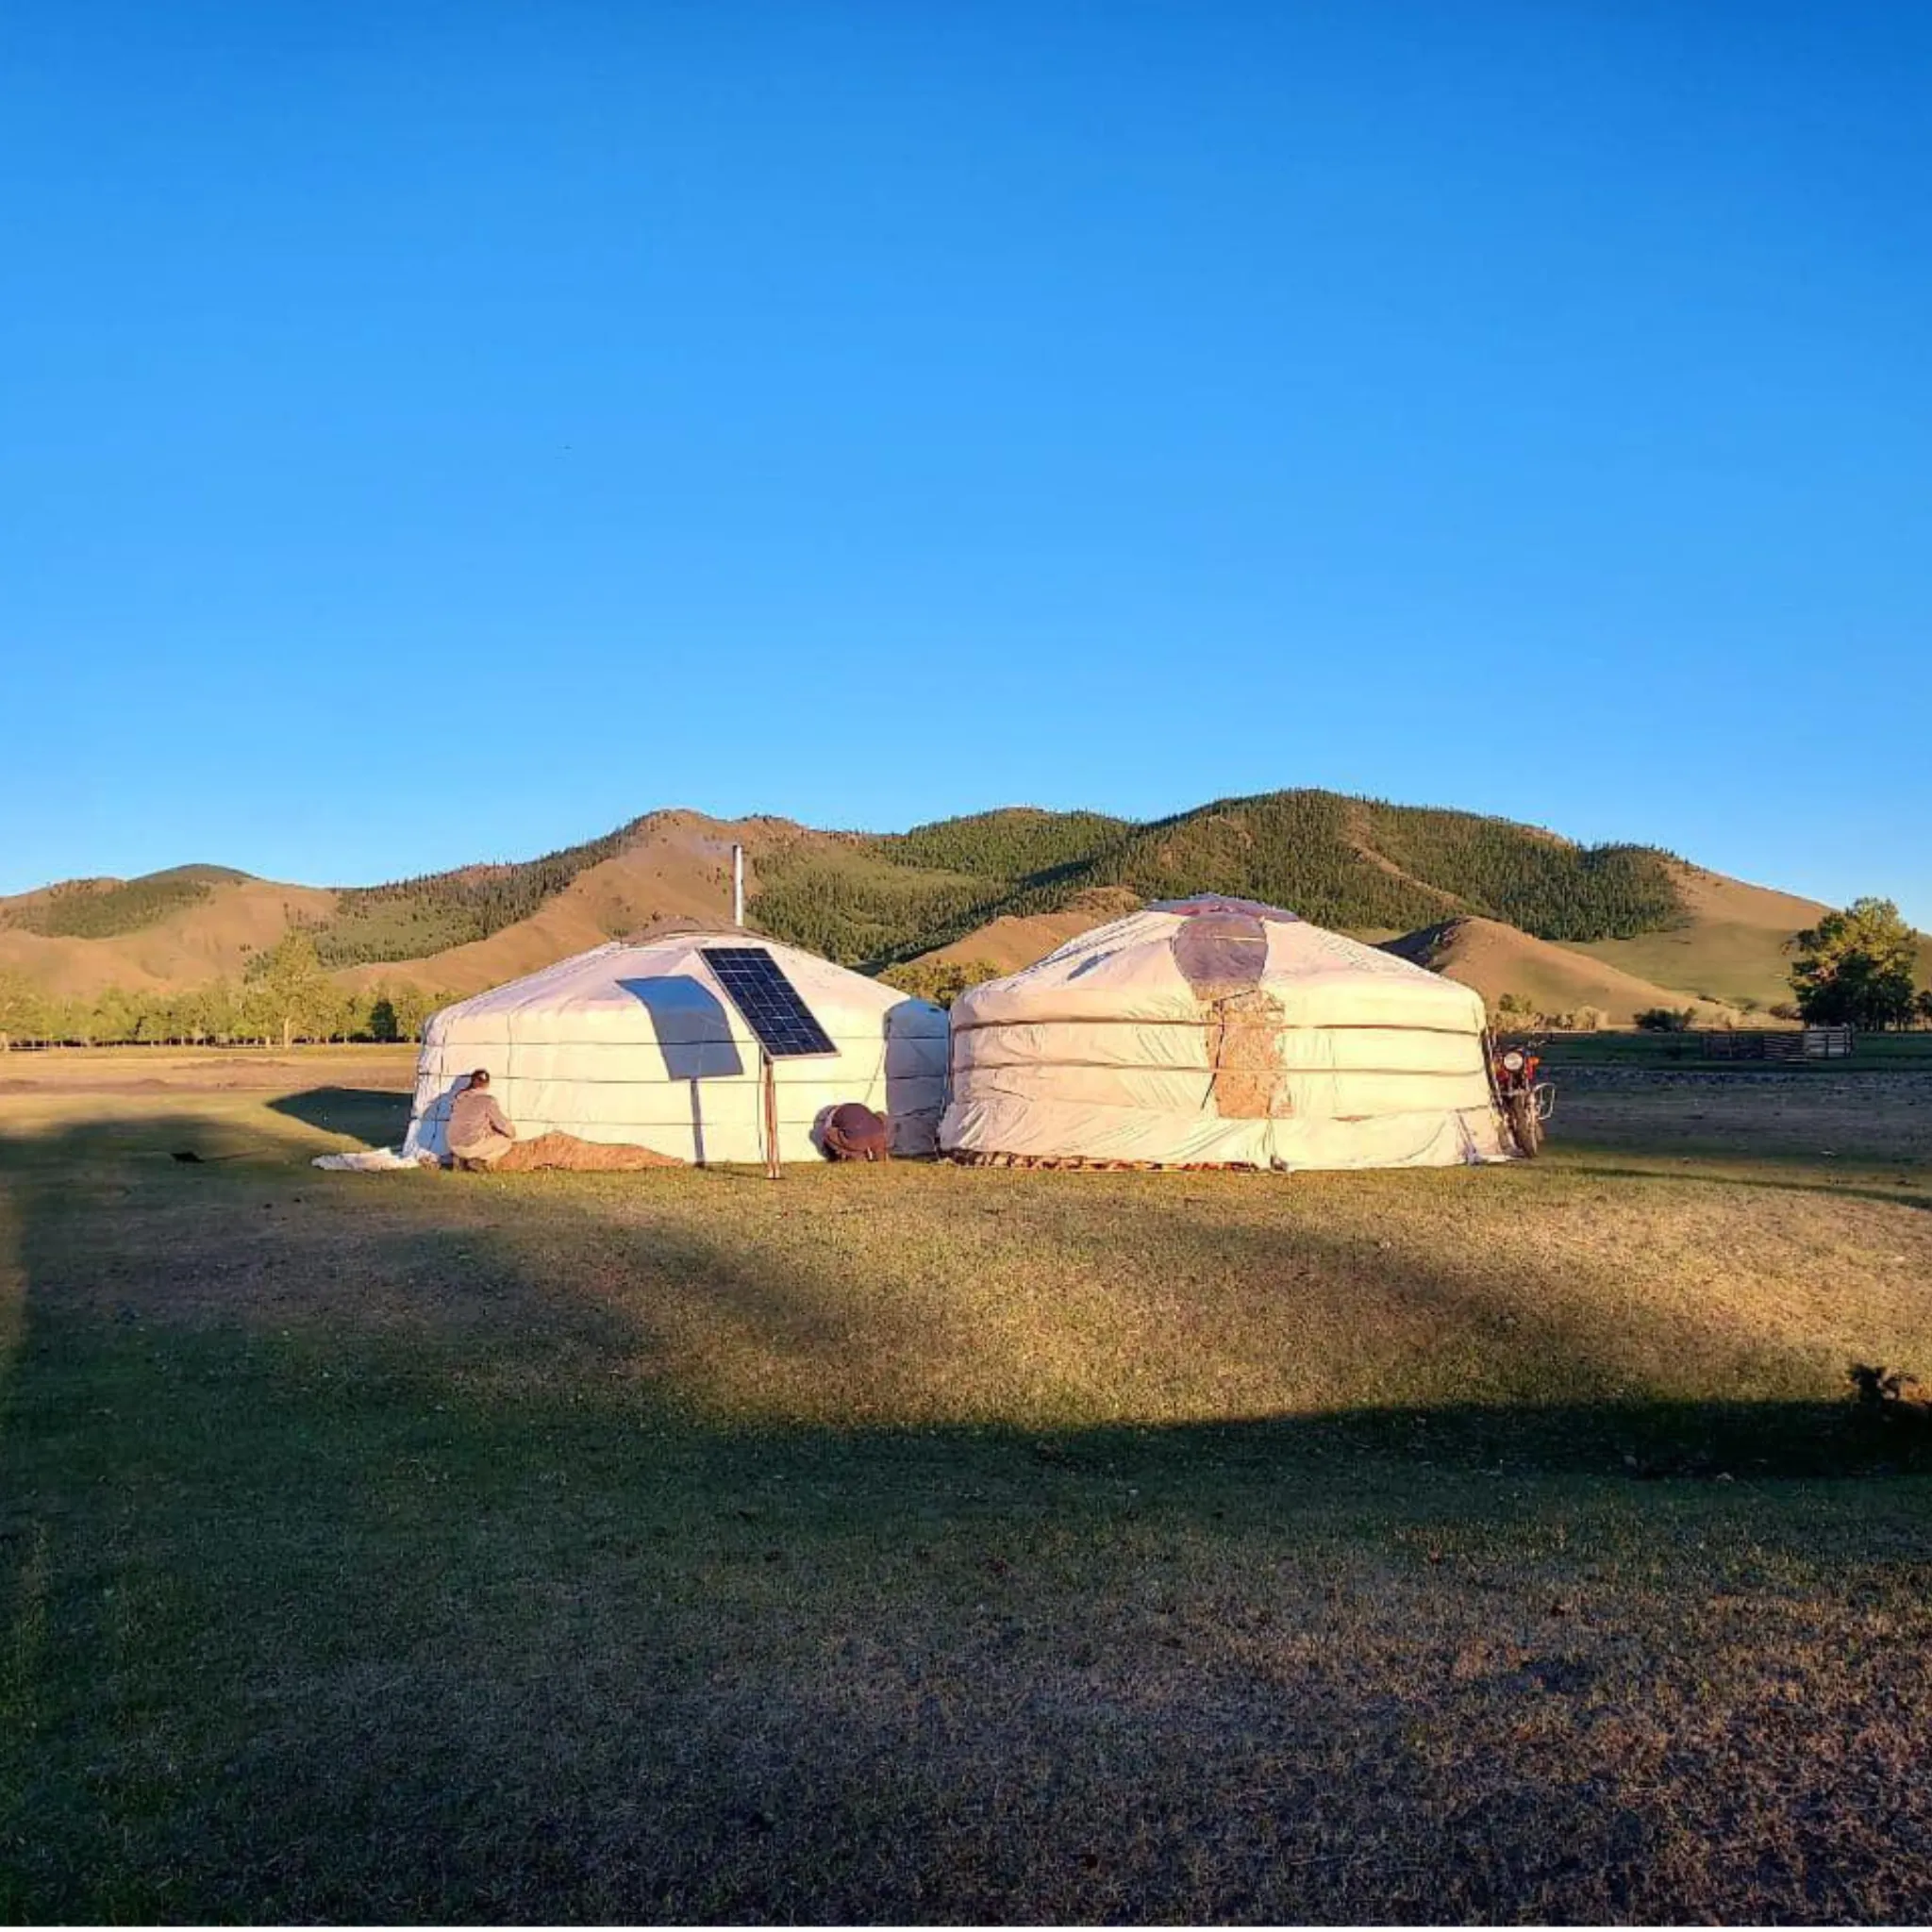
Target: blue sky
(433, 432)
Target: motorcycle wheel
(1526, 1125)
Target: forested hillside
(1016, 842)
(411, 919)
(866, 899)
(1353, 863)
(105, 909)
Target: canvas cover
(1218, 1032)
(636, 1045)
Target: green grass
(928, 1544)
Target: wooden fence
(1812, 1043)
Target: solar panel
(756, 984)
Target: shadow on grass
(374, 1116)
(392, 1573)
(1906, 1192)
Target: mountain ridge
(996, 888)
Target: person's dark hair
(480, 1078)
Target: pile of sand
(579, 1156)
(961, 1157)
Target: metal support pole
(737, 885)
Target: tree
(115, 1017)
(292, 994)
(1513, 1014)
(941, 981)
(23, 1010)
(1666, 1019)
(1854, 968)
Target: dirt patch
(150, 1070)
(1800, 1113)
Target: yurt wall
(636, 1045)
(1215, 1032)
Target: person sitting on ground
(479, 1133)
(855, 1133)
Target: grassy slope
(932, 1543)
(1013, 940)
(208, 938)
(1732, 946)
(676, 865)
(1497, 959)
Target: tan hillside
(1497, 959)
(1733, 944)
(209, 940)
(676, 867)
(1012, 942)
(1731, 947)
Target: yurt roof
(597, 982)
(1169, 958)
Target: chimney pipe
(737, 885)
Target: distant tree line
(292, 999)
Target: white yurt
(1217, 1032)
(635, 1044)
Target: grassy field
(933, 1543)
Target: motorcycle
(1526, 1102)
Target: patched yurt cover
(636, 1045)
(1220, 1032)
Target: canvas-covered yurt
(1217, 1032)
(636, 1045)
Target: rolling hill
(1496, 959)
(1507, 906)
(1729, 946)
(153, 937)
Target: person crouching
(479, 1133)
(853, 1132)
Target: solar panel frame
(768, 1003)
